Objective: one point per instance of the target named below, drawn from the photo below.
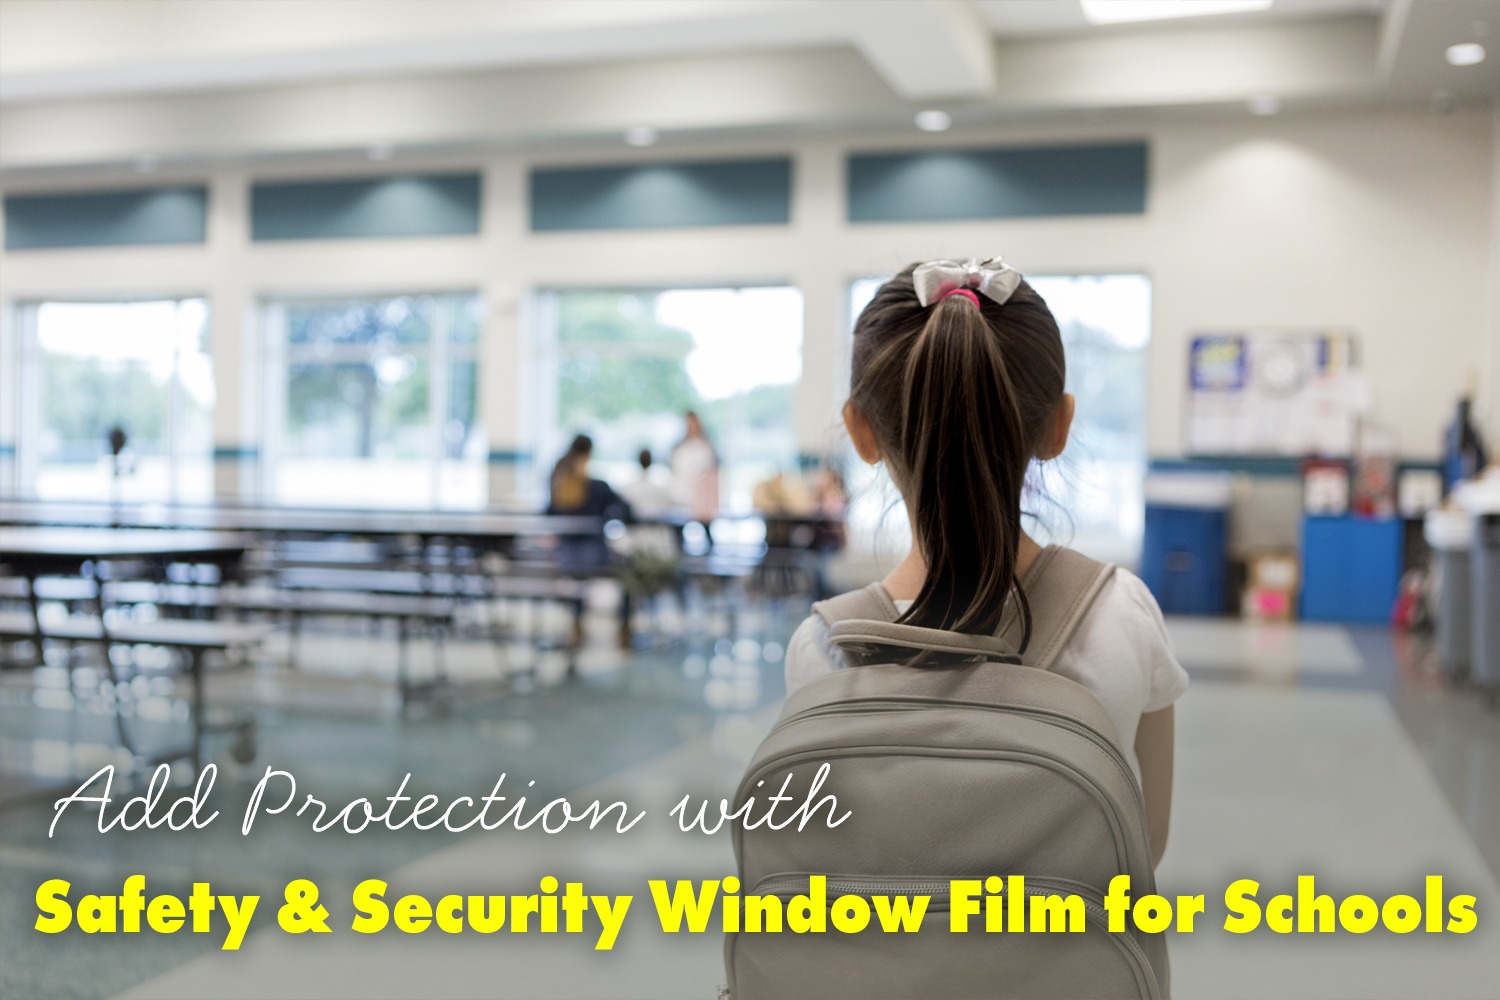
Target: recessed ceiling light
(934, 121)
(641, 135)
(1465, 54)
(146, 163)
(381, 151)
(1264, 104)
(1120, 11)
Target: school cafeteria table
(491, 526)
(35, 552)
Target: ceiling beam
(1392, 28)
(927, 50)
(234, 44)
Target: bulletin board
(1274, 393)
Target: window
(629, 364)
(140, 367)
(356, 417)
(1095, 490)
(1106, 327)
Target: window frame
(24, 316)
(440, 352)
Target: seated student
(575, 492)
(649, 555)
(780, 496)
(649, 495)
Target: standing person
(575, 492)
(695, 472)
(958, 374)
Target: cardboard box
(1271, 587)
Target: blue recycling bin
(1351, 568)
(1184, 558)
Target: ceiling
(108, 81)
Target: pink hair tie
(965, 292)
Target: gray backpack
(993, 766)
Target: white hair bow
(993, 278)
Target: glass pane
(1106, 326)
(404, 319)
(631, 364)
(192, 426)
(374, 410)
(465, 314)
(465, 448)
(356, 431)
(363, 422)
(141, 368)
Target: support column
(237, 361)
(10, 385)
(818, 218)
(10, 395)
(506, 396)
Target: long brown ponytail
(959, 399)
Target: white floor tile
(1263, 648)
(1275, 783)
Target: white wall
(1383, 222)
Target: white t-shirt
(1120, 652)
(648, 496)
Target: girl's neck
(904, 582)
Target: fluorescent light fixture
(1121, 11)
(934, 121)
(381, 151)
(1264, 104)
(641, 135)
(1465, 54)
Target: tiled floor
(1301, 750)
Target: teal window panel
(1015, 182)
(142, 216)
(662, 195)
(366, 208)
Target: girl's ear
(1062, 421)
(861, 434)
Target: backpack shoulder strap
(1060, 588)
(861, 626)
(870, 603)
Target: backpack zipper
(792, 759)
(1105, 744)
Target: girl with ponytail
(957, 387)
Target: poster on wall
(1273, 393)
